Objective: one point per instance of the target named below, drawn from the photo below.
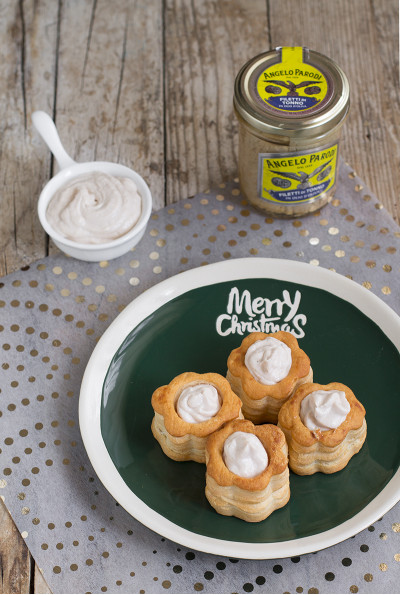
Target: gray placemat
(51, 315)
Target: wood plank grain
(39, 584)
(109, 102)
(15, 560)
(206, 42)
(354, 35)
(28, 31)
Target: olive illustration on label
(281, 183)
(302, 177)
(273, 89)
(324, 174)
(292, 87)
(312, 90)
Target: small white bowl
(69, 169)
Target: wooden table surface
(148, 83)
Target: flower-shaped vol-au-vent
(247, 470)
(265, 371)
(190, 408)
(324, 427)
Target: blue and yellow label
(292, 85)
(296, 177)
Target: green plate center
(196, 332)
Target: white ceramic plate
(221, 539)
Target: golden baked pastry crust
(315, 450)
(254, 498)
(179, 439)
(261, 402)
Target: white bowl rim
(158, 295)
(77, 169)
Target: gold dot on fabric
(35, 521)
(65, 292)
(383, 567)
(134, 281)
(104, 264)
(56, 570)
(383, 536)
(120, 271)
(391, 250)
(204, 201)
(378, 206)
(157, 270)
(354, 258)
(340, 253)
(200, 217)
(49, 287)
(25, 482)
(353, 589)
(24, 534)
(154, 232)
(154, 255)
(386, 290)
(100, 289)
(367, 284)
(304, 233)
(232, 242)
(198, 586)
(242, 233)
(387, 268)
(15, 303)
(92, 307)
(232, 219)
(314, 241)
(74, 567)
(253, 251)
(112, 298)
(333, 231)
(397, 557)
(255, 226)
(72, 276)
(166, 584)
(350, 218)
(134, 264)
(160, 243)
(368, 577)
(314, 262)
(185, 222)
(206, 251)
(57, 270)
(226, 255)
(370, 264)
(89, 562)
(212, 239)
(344, 239)
(169, 227)
(171, 211)
(3, 484)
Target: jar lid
(292, 92)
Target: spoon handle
(48, 131)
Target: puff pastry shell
(315, 450)
(261, 402)
(179, 439)
(251, 499)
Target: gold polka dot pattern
(53, 313)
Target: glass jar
(291, 104)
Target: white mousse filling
(198, 402)
(244, 454)
(324, 409)
(269, 360)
